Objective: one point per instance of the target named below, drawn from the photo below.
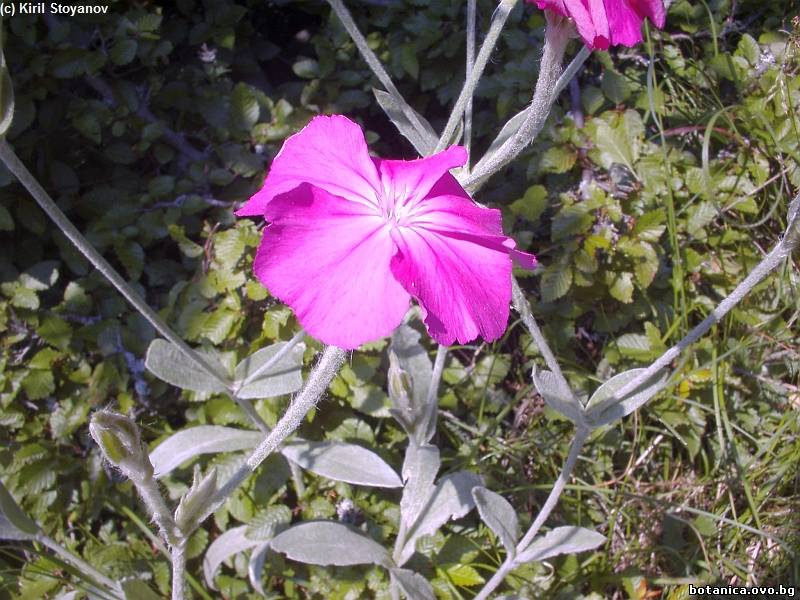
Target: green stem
(178, 558)
(770, 262)
(552, 499)
(43, 199)
(470, 68)
(523, 307)
(545, 93)
(467, 91)
(374, 63)
(77, 562)
(316, 384)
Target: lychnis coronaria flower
(351, 239)
(604, 23)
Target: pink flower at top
(604, 23)
(351, 239)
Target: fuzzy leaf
(420, 468)
(499, 516)
(451, 499)
(425, 140)
(168, 363)
(561, 540)
(203, 439)
(14, 524)
(228, 544)
(602, 409)
(558, 398)
(329, 543)
(413, 585)
(341, 461)
(284, 377)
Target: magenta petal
(626, 24)
(557, 6)
(411, 180)
(329, 259)
(454, 259)
(329, 153)
(463, 288)
(652, 9)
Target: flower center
(392, 201)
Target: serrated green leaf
(615, 86)
(123, 51)
(620, 286)
(558, 159)
(556, 281)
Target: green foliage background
(654, 189)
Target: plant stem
(315, 386)
(77, 562)
(178, 556)
(374, 63)
(770, 262)
(498, 21)
(523, 307)
(43, 199)
(436, 376)
(470, 68)
(556, 38)
(552, 499)
(158, 509)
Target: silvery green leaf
(603, 409)
(255, 567)
(341, 461)
(451, 499)
(203, 439)
(414, 361)
(413, 585)
(425, 140)
(168, 363)
(420, 467)
(228, 544)
(509, 129)
(499, 516)
(561, 540)
(136, 589)
(193, 504)
(556, 396)
(329, 543)
(14, 524)
(284, 377)
(6, 92)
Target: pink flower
(604, 23)
(352, 239)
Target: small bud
(401, 393)
(121, 444)
(401, 386)
(195, 502)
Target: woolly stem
(556, 38)
(548, 506)
(374, 63)
(43, 199)
(467, 91)
(316, 384)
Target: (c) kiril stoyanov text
(11, 9)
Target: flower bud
(401, 388)
(121, 444)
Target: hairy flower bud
(401, 393)
(121, 444)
